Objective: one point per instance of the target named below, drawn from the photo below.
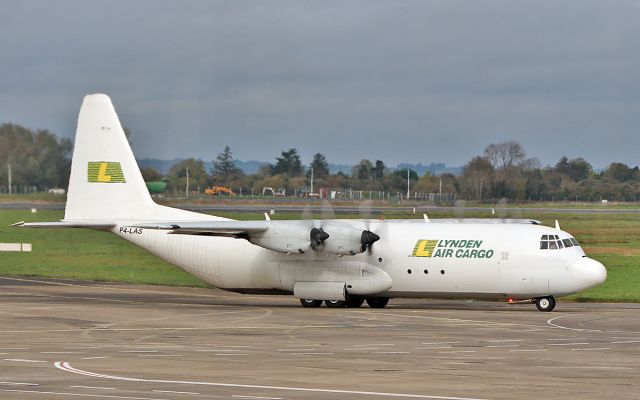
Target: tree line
(38, 159)
(33, 159)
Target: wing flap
(221, 228)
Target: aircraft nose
(589, 272)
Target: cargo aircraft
(338, 262)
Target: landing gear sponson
(351, 302)
(544, 304)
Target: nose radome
(590, 271)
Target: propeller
(367, 239)
(502, 211)
(317, 237)
(501, 208)
(459, 208)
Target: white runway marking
(65, 366)
(23, 360)
(256, 397)
(552, 323)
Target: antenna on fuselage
(426, 219)
(557, 225)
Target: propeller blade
(501, 208)
(459, 208)
(326, 210)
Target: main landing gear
(351, 302)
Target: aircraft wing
(215, 228)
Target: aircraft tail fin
(105, 182)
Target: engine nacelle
(283, 238)
(344, 239)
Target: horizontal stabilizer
(66, 224)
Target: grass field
(613, 239)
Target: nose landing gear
(545, 304)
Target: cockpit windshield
(553, 242)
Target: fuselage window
(544, 245)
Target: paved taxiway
(65, 339)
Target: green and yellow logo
(461, 248)
(424, 248)
(105, 172)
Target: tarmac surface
(66, 339)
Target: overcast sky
(400, 81)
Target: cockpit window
(553, 242)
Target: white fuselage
(489, 260)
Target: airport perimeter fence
(17, 189)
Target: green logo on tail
(105, 172)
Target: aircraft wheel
(311, 303)
(354, 301)
(546, 304)
(335, 303)
(377, 302)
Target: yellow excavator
(216, 190)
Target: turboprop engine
(333, 237)
(284, 238)
(346, 239)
